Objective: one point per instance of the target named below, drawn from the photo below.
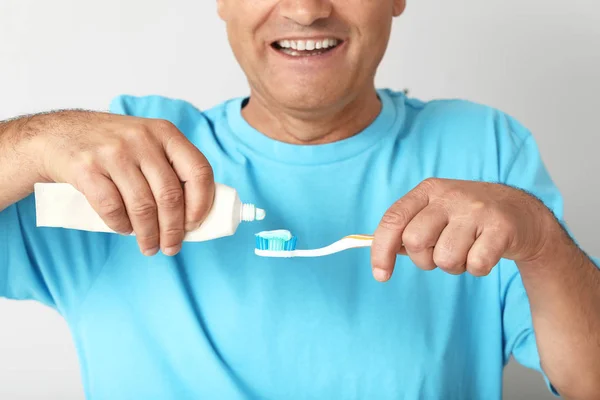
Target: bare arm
(140, 175)
(563, 286)
(466, 226)
(18, 168)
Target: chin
(310, 97)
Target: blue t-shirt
(218, 322)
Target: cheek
(244, 19)
(378, 26)
(373, 25)
(242, 39)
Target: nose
(305, 12)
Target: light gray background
(535, 59)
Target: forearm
(563, 286)
(19, 165)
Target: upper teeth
(307, 44)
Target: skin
(139, 175)
(131, 170)
(466, 227)
(303, 101)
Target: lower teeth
(296, 53)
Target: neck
(321, 126)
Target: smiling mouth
(306, 48)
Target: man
(469, 236)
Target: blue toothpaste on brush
(275, 240)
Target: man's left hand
(462, 226)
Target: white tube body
(224, 216)
(60, 205)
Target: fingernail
(192, 226)
(171, 251)
(381, 274)
(151, 252)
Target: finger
(422, 233)
(194, 170)
(486, 252)
(140, 205)
(168, 196)
(387, 241)
(451, 250)
(105, 199)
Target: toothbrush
(282, 244)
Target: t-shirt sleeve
(53, 266)
(527, 172)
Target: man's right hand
(140, 175)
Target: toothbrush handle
(346, 243)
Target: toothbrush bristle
(276, 244)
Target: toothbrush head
(280, 240)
